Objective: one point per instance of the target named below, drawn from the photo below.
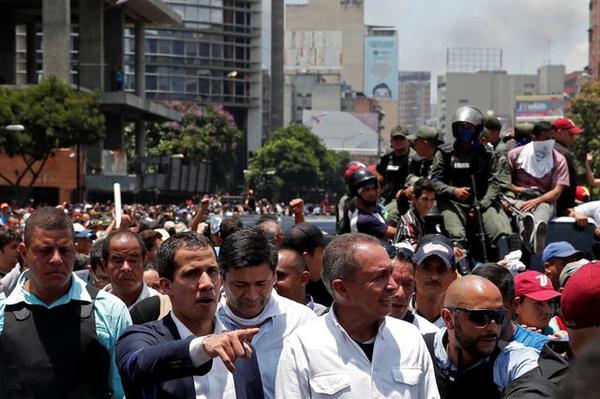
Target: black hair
(117, 234)
(500, 277)
(165, 256)
(246, 248)
(230, 226)
(149, 238)
(96, 254)
(47, 218)
(422, 185)
(7, 236)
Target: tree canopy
(586, 108)
(54, 115)
(205, 133)
(294, 162)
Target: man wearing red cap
(564, 136)
(534, 294)
(580, 303)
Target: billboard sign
(381, 67)
(540, 106)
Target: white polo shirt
(320, 360)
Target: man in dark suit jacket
(173, 357)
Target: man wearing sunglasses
(467, 356)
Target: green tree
(294, 162)
(586, 108)
(204, 133)
(54, 115)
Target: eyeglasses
(482, 317)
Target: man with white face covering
(539, 175)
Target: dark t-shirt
(368, 223)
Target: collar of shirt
(441, 356)
(77, 291)
(270, 311)
(145, 293)
(185, 332)
(332, 318)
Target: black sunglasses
(482, 317)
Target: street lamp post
(380, 116)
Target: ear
(305, 277)
(448, 318)
(165, 285)
(339, 289)
(22, 250)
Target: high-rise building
(221, 55)
(323, 51)
(493, 91)
(414, 99)
(594, 39)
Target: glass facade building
(210, 60)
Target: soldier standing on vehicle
(454, 168)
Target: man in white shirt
(248, 259)
(355, 350)
(171, 357)
(123, 254)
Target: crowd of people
(427, 290)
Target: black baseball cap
(305, 237)
(435, 245)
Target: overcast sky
(530, 32)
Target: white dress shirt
(320, 360)
(280, 317)
(218, 382)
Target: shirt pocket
(330, 385)
(407, 375)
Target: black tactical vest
(53, 353)
(475, 382)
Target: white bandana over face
(536, 158)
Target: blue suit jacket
(154, 362)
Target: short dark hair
(96, 254)
(541, 127)
(339, 260)
(422, 185)
(500, 277)
(165, 256)
(269, 228)
(47, 218)
(7, 236)
(117, 234)
(230, 226)
(245, 248)
(149, 237)
(298, 263)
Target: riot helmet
(467, 114)
(359, 179)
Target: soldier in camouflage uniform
(452, 171)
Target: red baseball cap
(535, 285)
(580, 301)
(566, 124)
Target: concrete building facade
(594, 40)
(222, 54)
(82, 43)
(493, 90)
(414, 99)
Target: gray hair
(339, 260)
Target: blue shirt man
(57, 335)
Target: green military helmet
(398, 131)
(427, 133)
